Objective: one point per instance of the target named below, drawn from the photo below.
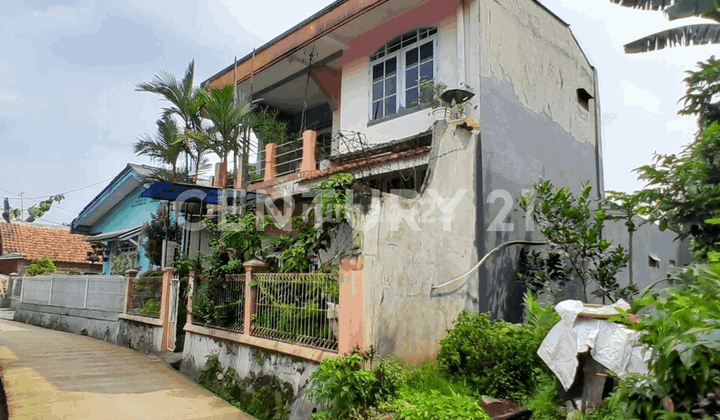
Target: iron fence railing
(146, 297)
(289, 157)
(228, 301)
(297, 308)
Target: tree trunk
(630, 253)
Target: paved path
(55, 375)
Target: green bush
(151, 307)
(433, 405)
(344, 388)
(682, 326)
(74, 273)
(497, 358)
(42, 266)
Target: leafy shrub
(208, 305)
(151, 307)
(262, 396)
(682, 326)
(344, 388)
(497, 358)
(74, 273)
(433, 405)
(42, 266)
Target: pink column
(270, 161)
(309, 151)
(351, 314)
(252, 266)
(130, 289)
(165, 307)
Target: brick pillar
(191, 290)
(165, 307)
(309, 151)
(130, 289)
(252, 266)
(351, 316)
(270, 161)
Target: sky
(69, 112)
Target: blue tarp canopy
(172, 191)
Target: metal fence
(146, 297)
(221, 304)
(106, 293)
(289, 157)
(297, 308)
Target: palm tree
(708, 33)
(230, 120)
(163, 147)
(186, 103)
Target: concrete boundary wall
(94, 323)
(245, 360)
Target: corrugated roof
(38, 241)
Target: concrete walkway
(55, 375)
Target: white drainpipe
(460, 29)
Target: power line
(71, 191)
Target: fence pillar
(309, 150)
(165, 308)
(130, 289)
(191, 290)
(252, 266)
(351, 313)
(270, 161)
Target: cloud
(119, 42)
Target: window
(397, 69)
(584, 98)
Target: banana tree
(699, 34)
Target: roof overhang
(120, 187)
(116, 235)
(324, 36)
(12, 256)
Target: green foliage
(682, 326)
(683, 190)
(74, 272)
(572, 226)
(155, 233)
(432, 405)
(43, 265)
(345, 388)
(543, 274)
(545, 401)
(120, 264)
(151, 307)
(264, 397)
(497, 358)
(209, 307)
(541, 317)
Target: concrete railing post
(270, 161)
(130, 289)
(168, 273)
(351, 313)
(309, 150)
(251, 267)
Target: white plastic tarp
(610, 344)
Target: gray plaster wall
(649, 241)
(246, 360)
(139, 336)
(408, 247)
(94, 323)
(533, 128)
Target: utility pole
(21, 205)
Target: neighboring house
(21, 243)
(114, 219)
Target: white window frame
(400, 55)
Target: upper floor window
(397, 69)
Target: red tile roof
(38, 241)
